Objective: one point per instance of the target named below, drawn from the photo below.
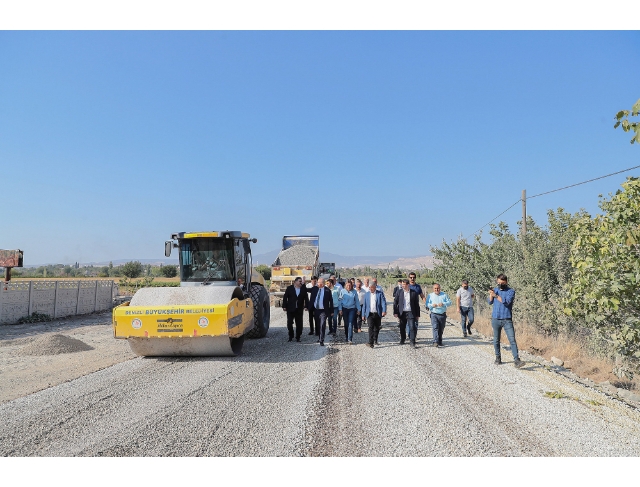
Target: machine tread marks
(261, 312)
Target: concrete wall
(54, 298)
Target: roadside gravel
(299, 399)
(23, 373)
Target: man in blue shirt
(437, 303)
(501, 297)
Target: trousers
(295, 315)
(466, 318)
(311, 320)
(321, 323)
(497, 326)
(408, 322)
(348, 315)
(374, 321)
(438, 322)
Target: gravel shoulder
(22, 374)
(453, 401)
(299, 399)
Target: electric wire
(548, 192)
(583, 182)
(490, 221)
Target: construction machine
(297, 258)
(221, 301)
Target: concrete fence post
(30, 298)
(55, 300)
(77, 298)
(95, 297)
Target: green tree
(132, 269)
(169, 271)
(537, 267)
(622, 119)
(606, 258)
(265, 270)
(104, 272)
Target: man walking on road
(417, 288)
(314, 285)
(464, 302)
(361, 292)
(501, 298)
(349, 308)
(437, 303)
(374, 309)
(294, 302)
(406, 307)
(375, 281)
(398, 288)
(321, 304)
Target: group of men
(361, 301)
(356, 302)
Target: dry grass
(575, 355)
(155, 279)
(53, 278)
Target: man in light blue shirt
(349, 307)
(437, 303)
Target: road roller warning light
(215, 308)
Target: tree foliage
(265, 270)
(132, 269)
(537, 266)
(622, 119)
(169, 271)
(606, 257)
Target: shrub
(265, 270)
(132, 269)
(169, 271)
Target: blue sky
(381, 142)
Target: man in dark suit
(321, 303)
(374, 309)
(294, 302)
(397, 289)
(314, 285)
(406, 307)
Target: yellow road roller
(220, 302)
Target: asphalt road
(300, 399)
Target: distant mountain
(380, 261)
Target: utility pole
(524, 213)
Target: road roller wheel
(261, 312)
(236, 344)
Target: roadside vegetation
(576, 280)
(131, 270)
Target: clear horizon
(391, 140)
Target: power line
(552, 191)
(583, 182)
(493, 219)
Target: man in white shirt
(406, 307)
(373, 310)
(321, 303)
(464, 301)
(366, 284)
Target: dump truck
(326, 269)
(298, 258)
(221, 301)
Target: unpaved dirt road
(299, 399)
